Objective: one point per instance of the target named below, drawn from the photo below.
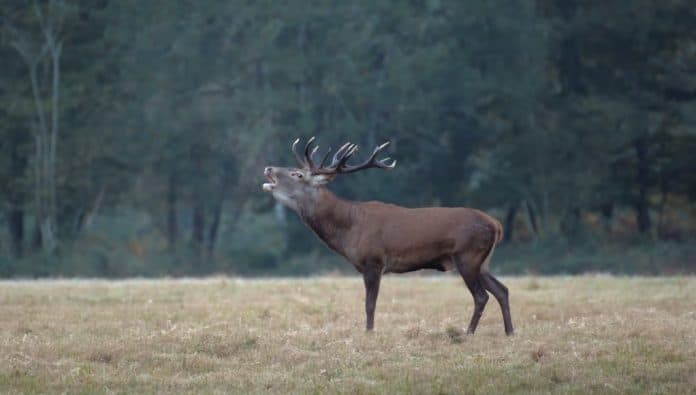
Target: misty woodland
(133, 135)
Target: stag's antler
(339, 162)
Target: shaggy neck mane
(330, 217)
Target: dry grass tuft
(533, 285)
(576, 335)
(537, 354)
(454, 334)
(100, 356)
(413, 333)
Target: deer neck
(331, 218)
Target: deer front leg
(371, 280)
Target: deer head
(293, 186)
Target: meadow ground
(588, 334)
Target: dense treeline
(133, 134)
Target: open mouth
(268, 186)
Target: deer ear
(322, 179)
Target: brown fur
(398, 239)
(380, 238)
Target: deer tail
(498, 238)
(499, 231)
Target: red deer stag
(380, 238)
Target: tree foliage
(134, 133)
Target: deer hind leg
(472, 277)
(500, 292)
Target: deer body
(398, 239)
(380, 238)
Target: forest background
(133, 134)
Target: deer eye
(298, 175)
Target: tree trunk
(532, 219)
(509, 227)
(199, 198)
(213, 230)
(642, 205)
(215, 224)
(17, 193)
(664, 193)
(570, 223)
(607, 210)
(198, 233)
(172, 219)
(16, 228)
(33, 52)
(44, 223)
(56, 50)
(36, 240)
(85, 220)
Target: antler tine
(349, 152)
(339, 153)
(341, 156)
(339, 165)
(371, 161)
(383, 162)
(338, 156)
(297, 155)
(377, 151)
(323, 160)
(308, 154)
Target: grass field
(592, 334)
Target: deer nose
(267, 170)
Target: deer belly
(442, 264)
